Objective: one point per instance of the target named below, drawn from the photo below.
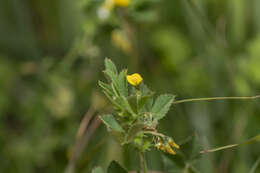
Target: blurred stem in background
(216, 98)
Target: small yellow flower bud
(134, 79)
(173, 144)
(170, 150)
(122, 3)
(162, 147)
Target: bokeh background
(51, 58)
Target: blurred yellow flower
(166, 145)
(122, 3)
(134, 79)
(119, 39)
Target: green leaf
(145, 95)
(115, 103)
(114, 88)
(114, 167)
(111, 94)
(122, 83)
(162, 105)
(149, 104)
(126, 105)
(133, 102)
(112, 76)
(143, 100)
(106, 87)
(111, 123)
(144, 89)
(109, 65)
(97, 170)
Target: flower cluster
(165, 144)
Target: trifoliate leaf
(114, 101)
(143, 100)
(113, 77)
(122, 83)
(111, 123)
(106, 87)
(145, 95)
(109, 65)
(126, 105)
(162, 105)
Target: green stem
(143, 162)
(219, 148)
(216, 98)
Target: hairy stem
(216, 98)
(143, 162)
(154, 133)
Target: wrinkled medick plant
(138, 111)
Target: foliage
(51, 56)
(136, 116)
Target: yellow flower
(161, 147)
(173, 144)
(122, 3)
(170, 150)
(134, 79)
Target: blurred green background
(52, 54)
